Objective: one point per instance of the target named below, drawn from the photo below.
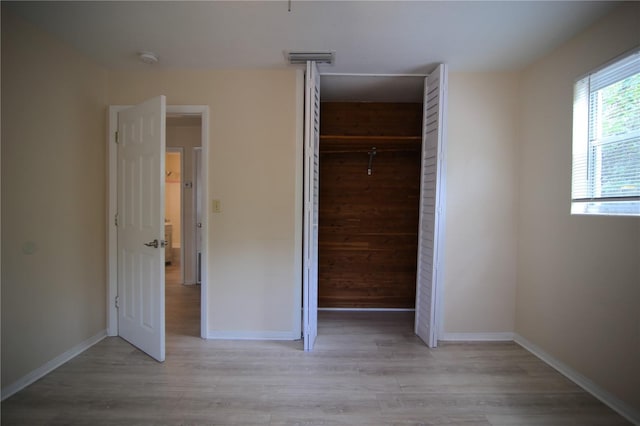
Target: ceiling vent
(318, 57)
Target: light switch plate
(216, 206)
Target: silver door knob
(153, 243)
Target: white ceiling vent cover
(318, 57)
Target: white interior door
(432, 188)
(311, 186)
(141, 168)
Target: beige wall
(481, 185)
(253, 265)
(53, 199)
(578, 278)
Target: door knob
(153, 243)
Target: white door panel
(431, 206)
(141, 156)
(311, 189)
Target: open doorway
(188, 311)
(182, 269)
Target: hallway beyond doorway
(182, 305)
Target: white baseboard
(252, 335)
(51, 365)
(476, 337)
(606, 397)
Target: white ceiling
(367, 36)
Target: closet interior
(369, 204)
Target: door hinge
(115, 219)
(117, 141)
(117, 302)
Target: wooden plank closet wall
(368, 229)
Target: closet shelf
(339, 144)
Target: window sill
(606, 208)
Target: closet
(370, 168)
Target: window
(606, 140)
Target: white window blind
(606, 140)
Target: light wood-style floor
(367, 369)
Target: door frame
(111, 202)
(197, 196)
(437, 284)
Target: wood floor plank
(367, 369)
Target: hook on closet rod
(372, 154)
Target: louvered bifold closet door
(311, 190)
(431, 205)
